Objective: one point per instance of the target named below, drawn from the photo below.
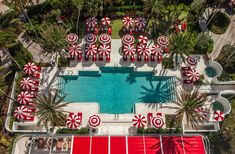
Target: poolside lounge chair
(101, 57)
(124, 57)
(159, 114)
(185, 68)
(108, 58)
(132, 59)
(36, 83)
(36, 75)
(94, 58)
(41, 143)
(146, 58)
(69, 143)
(152, 58)
(79, 57)
(59, 144)
(34, 89)
(139, 58)
(29, 118)
(80, 116)
(149, 117)
(30, 110)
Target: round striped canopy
(94, 121)
(140, 22)
(24, 97)
(91, 49)
(20, 112)
(72, 38)
(129, 50)
(30, 68)
(75, 50)
(104, 49)
(90, 38)
(143, 39)
(156, 50)
(105, 21)
(73, 121)
(127, 21)
(139, 121)
(143, 50)
(202, 113)
(191, 60)
(193, 75)
(26, 83)
(157, 122)
(219, 115)
(91, 22)
(128, 39)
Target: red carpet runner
(138, 145)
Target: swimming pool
(118, 89)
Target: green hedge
(82, 130)
(219, 23)
(158, 131)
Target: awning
(138, 145)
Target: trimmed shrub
(203, 44)
(219, 23)
(82, 130)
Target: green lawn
(116, 27)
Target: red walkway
(138, 145)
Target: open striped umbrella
(91, 49)
(24, 97)
(105, 21)
(91, 22)
(75, 50)
(163, 41)
(29, 68)
(94, 121)
(143, 50)
(157, 122)
(20, 112)
(191, 60)
(219, 115)
(73, 121)
(105, 38)
(128, 39)
(127, 21)
(72, 38)
(129, 50)
(202, 113)
(104, 49)
(156, 50)
(140, 22)
(90, 38)
(139, 121)
(143, 39)
(193, 75)
(26, 83)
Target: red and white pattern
(140, 22)
(163, 41)
(191, 60)
(104, 49)
(157, 122)
(75, 50)
(24, 97)
(139, 121)
(129, 50)
(127, 21)
(73, 121)
(91, 22)
(90, 38)
(26, 83)
(72, 38)
(128, 39)
(156, 50)
(143, 39)
(91, 49)
(143, 50)
(105, 38)
(193, 75)
(105, 21)
(30, 68)
(94, 121)
(202, 113)
(20, 112)
(219, 115)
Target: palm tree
(79, 5)
(187, 103)
(50, 109)
(53, 39)
(180, 45)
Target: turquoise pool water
(211, 72)
(118, 89)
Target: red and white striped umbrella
(156, 50)
(129, 49)
(143, 39)
(91, 49)
(202, 113)
(73, 121)
(20, 112)
(105, 38)
(90, 38)
(29, 68)
(104, 49)
(105, 21)
(94, 121)
(163, 41)
(219, 115)
(24, 97)
(128, 39)
(191, 60)
(143, 50)
(127, 21)
(26, 83)
(72, 38)
(139, 121)
(91, 22)
(75, 50)
(193, 75)
(140, 22)
(157, 122)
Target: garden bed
(219, 23)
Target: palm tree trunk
(18, 65)
(1, 91)
(78, 17)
